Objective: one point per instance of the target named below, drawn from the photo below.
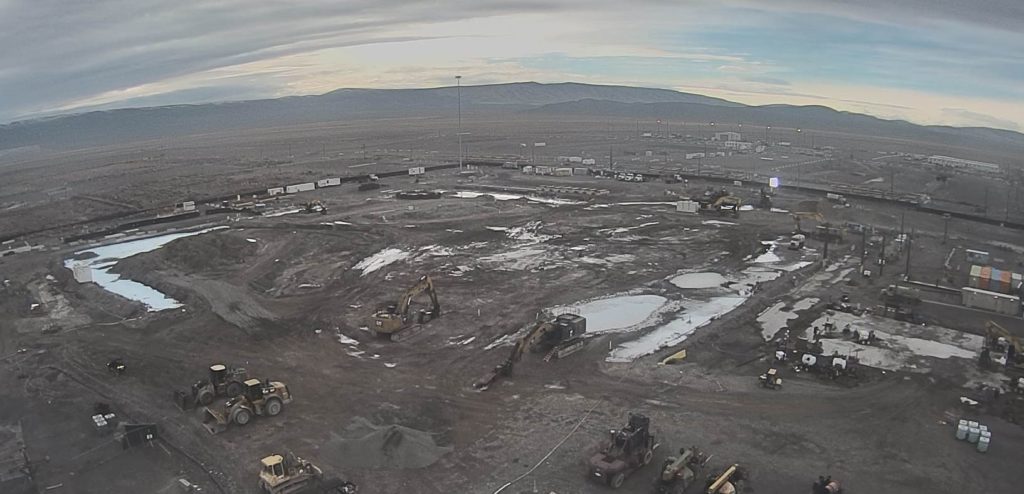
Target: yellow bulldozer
(396, 318)
(262, 398)
(288, 474)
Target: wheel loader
(628, 449)
(263, 398)
(223, 381)
(290, 474)
(679, 472)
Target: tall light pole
(458, 88)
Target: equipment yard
(391, 320)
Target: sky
(950, 62)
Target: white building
(739, 145)
(962, 164)
(727, 136)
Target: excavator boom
(396, 318)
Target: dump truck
(627, 450)
(222, 381)
(262, 398)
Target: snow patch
(696, 315)
(381, 259)
(699, 280)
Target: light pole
(458, 88)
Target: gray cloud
(981, 119)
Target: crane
(395, 317)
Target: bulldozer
(223, 381)
(263, 398)
(729, 481)
(395, 318)
(290, 474)
(558, 337)
(628, 449)
(678, 472)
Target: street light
(458, 86)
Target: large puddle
(106, 257)
(699, 280)
(696, 314)
(617, 313)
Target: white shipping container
(275, 191)
(580, 171)
(328, 182)
(991, 301)
(527, 169)
(82, 272)
(188, 206)
(563, 172)
(575, 159)
(418, 170)
(542, 170)
(589, 161)
(304, 187)
(687, 206)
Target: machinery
(628, 449)
(728, 205)
(1003, 346)
(395, 317)
(316, 206)
(796, 242)
(679, 472)
(728, 482)
(826, 486)
(263, 398)
(290, 474)
(559, 337)
(223, 381)
(770, 379)
(799, 216)
(116, 366)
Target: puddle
(718, 223)
(774, 319)
(768, 257)
(699, 280)
(618, 313)
(696, 314)
(105, 257)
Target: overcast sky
(954, 62)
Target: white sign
(539, 144)
(773, 182)
(418, 170)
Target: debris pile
(365, 445)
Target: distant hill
(113, 126)
(808, 117)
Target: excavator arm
(522, 345)
(425, 284)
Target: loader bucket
(214, 422)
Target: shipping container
(976, 256)
(328, 182)
(275, 191)
(563, 172)
(527, 169)
(542, 170)
(581, 171)
(975, 276)
(687, 206)
(589, 161)
(1016, 283)
(991, 301)
(304, 187)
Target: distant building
(962, 164)
(727, 136)
(693, 156)
(738, 145)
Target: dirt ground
(289, 298)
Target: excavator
(395, 318)
(797, 217)
(721, 201)
(559, 337)
(1004, 347)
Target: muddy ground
(273, 294)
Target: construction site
(358, 308)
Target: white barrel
(961, 432)
(982, 427)
(972, 424)
(983, 443)
(985, 434)
(973, 434)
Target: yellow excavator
(395, 318)
(559, 337)
(1003, 346)
(729, 482)
(728, 205)
(797, 217)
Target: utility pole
(863, 248)
(906, 273)
(638, 129)
(881, 257)
(1006, 216)
(892, 174)
(611, 164)
(945, 228)
(458, 89)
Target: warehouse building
(727, 136)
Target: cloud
(774, 81)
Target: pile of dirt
(365, 445)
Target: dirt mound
(365, 445)
(207, 252)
